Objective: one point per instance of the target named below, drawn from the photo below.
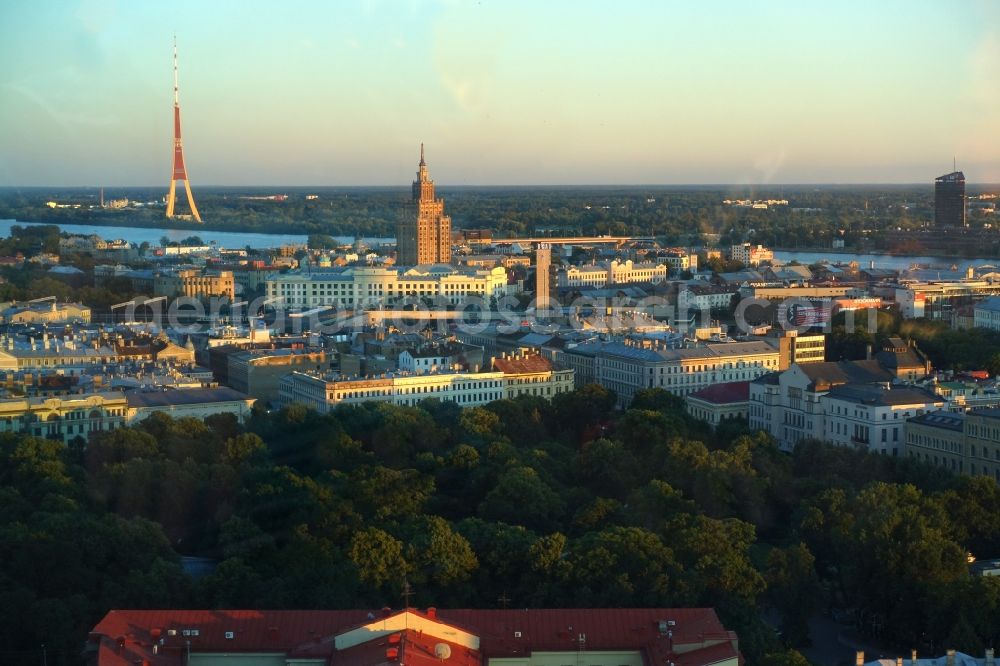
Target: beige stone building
(46, 313)
(962, 442)
(64, 417)
(529, 373)
(426, 239)
(195, 284)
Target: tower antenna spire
(177, 100)
(954, 163)
(422, 162)
(179, 170)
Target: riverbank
(143, 222)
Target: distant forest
(814, 217)
(523, 502)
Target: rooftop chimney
(859, 658)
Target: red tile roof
(724, 394)
(527, 364)
(127, 637)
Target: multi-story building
(82, 415)
(256, 371)
(355, 287)
(949, 200)
(587, 275)
(440, 355)
(529, 373)
(680, 260)
(46, 313)
(64, 417)
(614, 272)
(872, 416)
(986, 314)
(750, 255)
(713, 404)
(324, 393)
(195, 284)
(426, 238)
(629, 367)
(787, 404)
(963, 442)
(467, 389)
(795, 348)
(705, 297)
(492, 637)
(938, 299)
(196, 403)
(253, 276)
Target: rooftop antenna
(407, 593)
(954, 163)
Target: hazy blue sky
(534, 92)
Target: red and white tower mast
(180, 172)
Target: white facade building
(629, 368)
(750, 255)
(873, 416)
(851, 403)
(615, 272)
(696, 297)
(357, 286)
(986, 314)
(531, 375)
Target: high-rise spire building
(180, 171)
(425, 239)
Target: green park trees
(520, 502)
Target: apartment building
(962, 442)
(529, 373)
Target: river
(227, 239)
(887, 261)
(234, 239)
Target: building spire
(176, 91)
(422, 162)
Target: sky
(338, 92)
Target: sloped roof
(522, 365)
(726, 393)
(831, 373)
(123, 637)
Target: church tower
(426, 239)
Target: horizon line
(520, 185)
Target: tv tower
(180, 173)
